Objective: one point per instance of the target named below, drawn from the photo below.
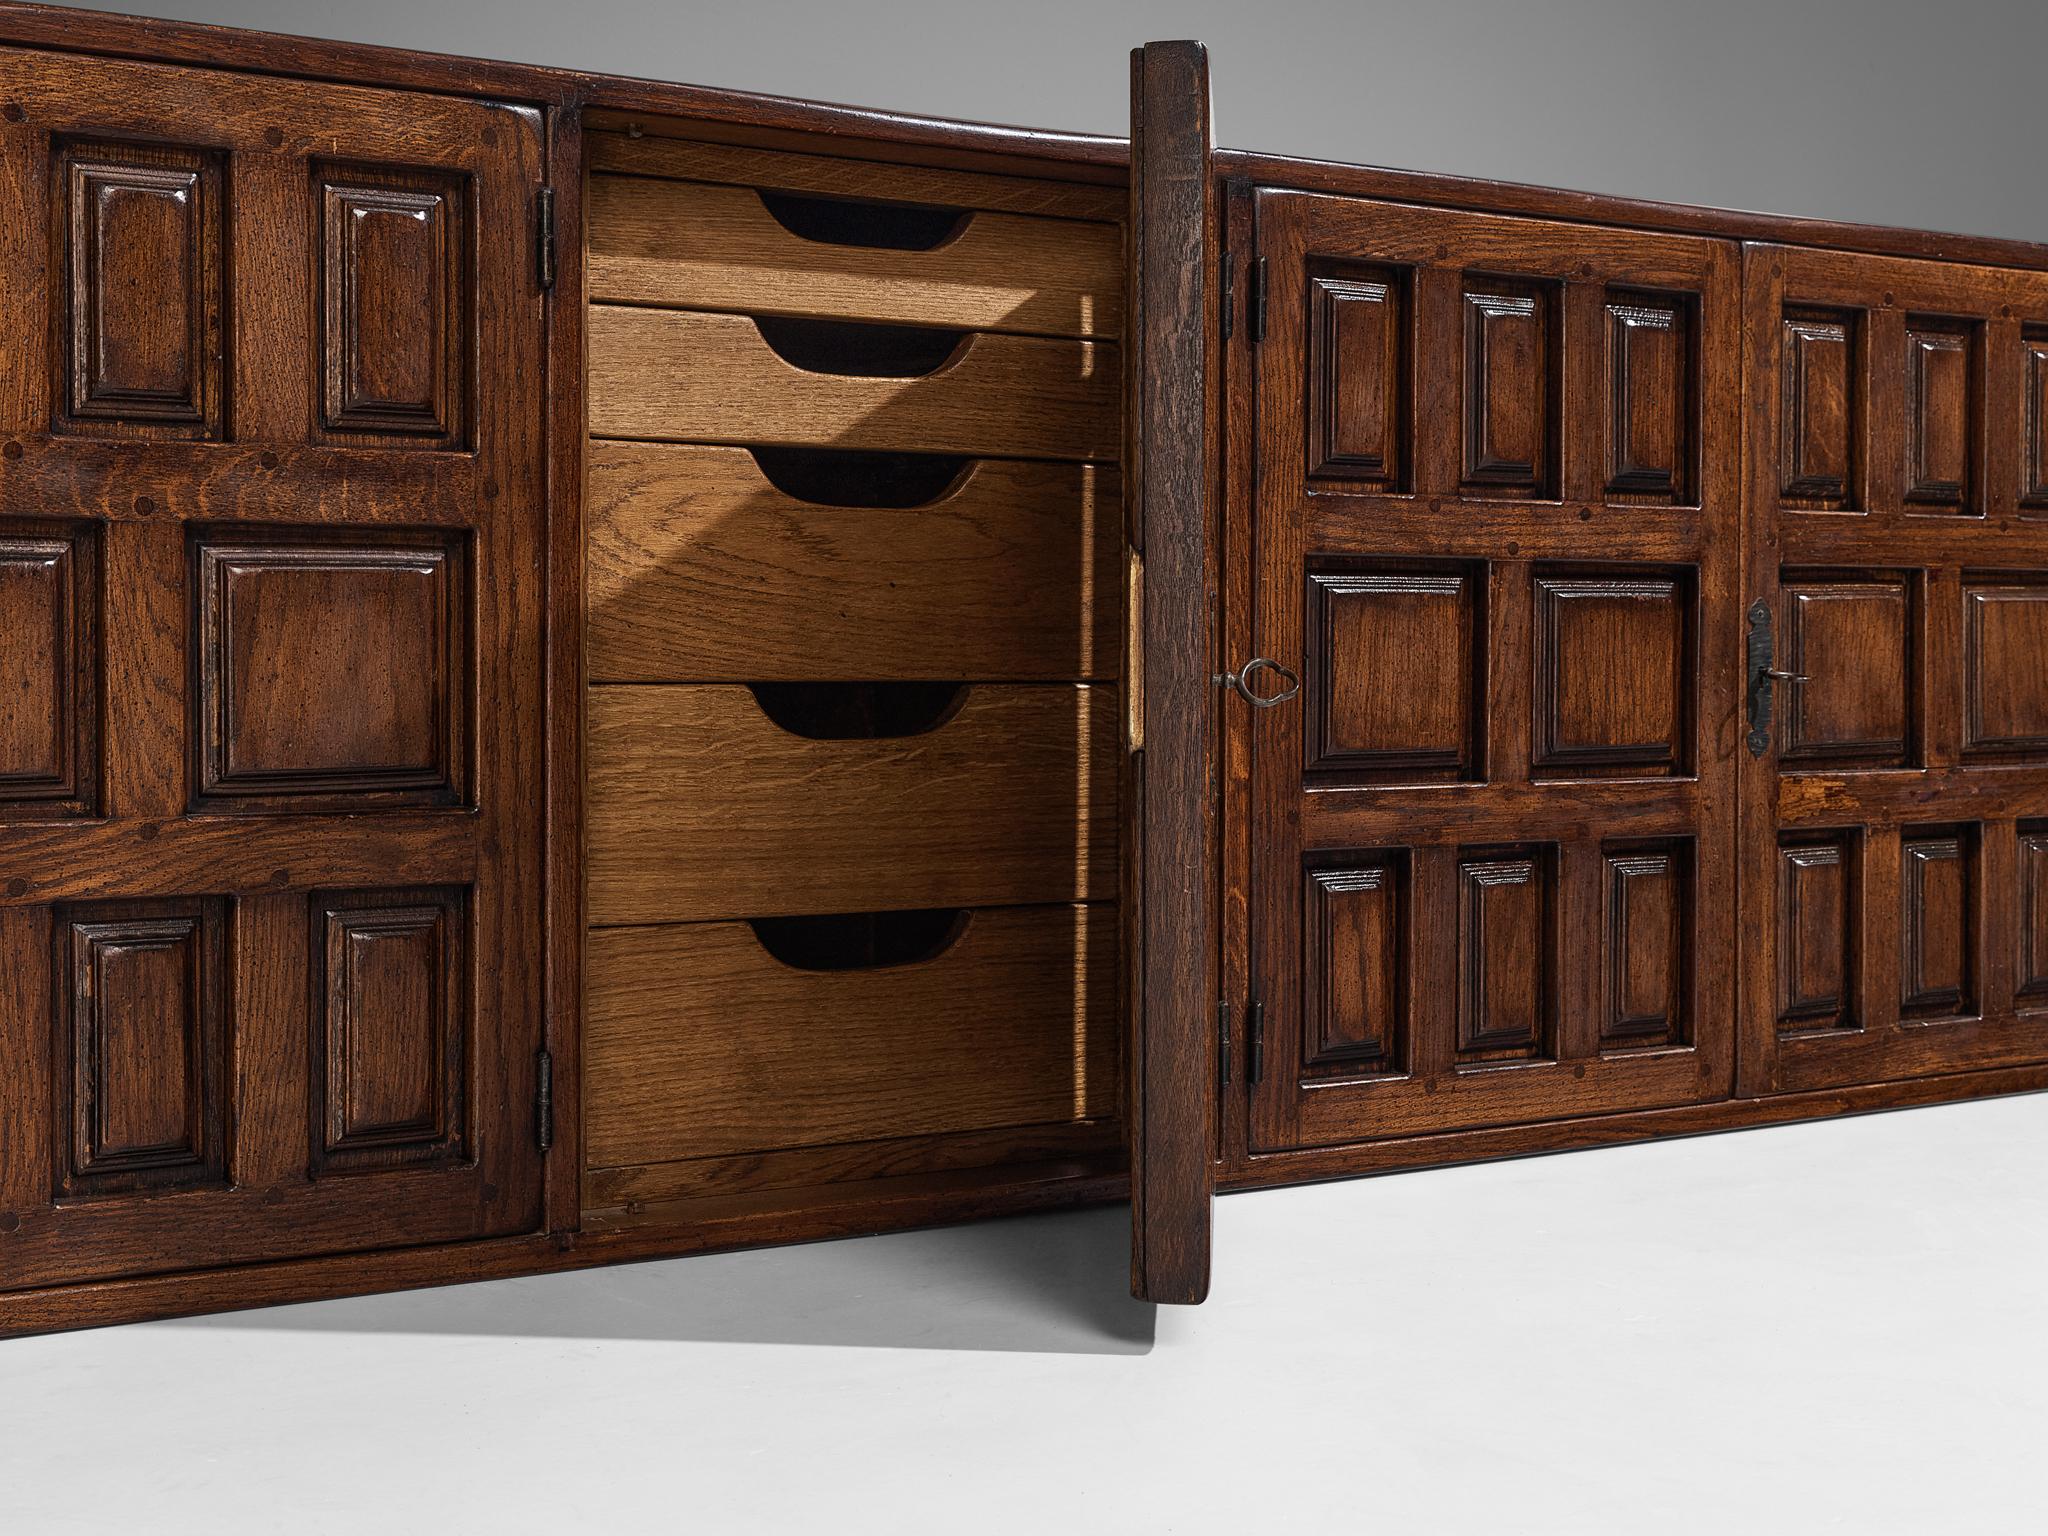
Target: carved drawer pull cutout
(852, 348)
(847, 221)
(858, 711)
(860, 941)
(830, 478)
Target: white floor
(1815, 1328)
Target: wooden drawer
(681, 376)
(690, 245)
(700, 1043)
(701, 570)
(700, 806)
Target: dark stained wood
(254, 1028)
(395, 306)
(1520, 676)
(1250, 168)
(49, 686)
(233, 401)
(564, 673)
(138, 241)
(1170, 470)
(1885, 831)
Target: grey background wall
(1916, 112)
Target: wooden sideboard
(605, 670)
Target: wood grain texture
(657, 1194)
(701, 570)
(702, 1044)
(1170, 839)
(670, 149)
(689, 245)
(141, 265)
(316, 655)
(50, 670)
(680, 376)
(1899, 786)
(701, 807)
(1518, 680)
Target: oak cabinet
(600, 670)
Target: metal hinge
(1223, 1039)
(1255, 301)
(1255, 1058)
(544, 1101)
(544, 236)
(1229, 293)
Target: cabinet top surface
(618, 101)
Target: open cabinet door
(1170, 950)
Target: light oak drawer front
(681, 376)
(834, 176)
(700, 806)
(701, 570)
(701, 1043)
(690, 245)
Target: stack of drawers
(853, 524)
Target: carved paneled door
(1895, 838)
(269, 698)
(1496, 534)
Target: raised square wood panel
(1937, 923)
(1850, 639)
(2031, 905)
(1885, 818)
(331, 669)
(391, 1046)
(1359, 319)
(1396, 673)
(395, 321)
(1821, 408)
(141, 1097)
(1649, 935)
(1511, 387)
(1505, 964)
(140, 305)
(1481, 851)
(1941, 414)
(49, 669)
(2034, 421)
(2005, 667)
(1614, 668)
(1817, 933)
(1355, 970)
(1650, 372)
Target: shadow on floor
(1055, 1283)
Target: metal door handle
(1241, 681)
(1763, 677)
